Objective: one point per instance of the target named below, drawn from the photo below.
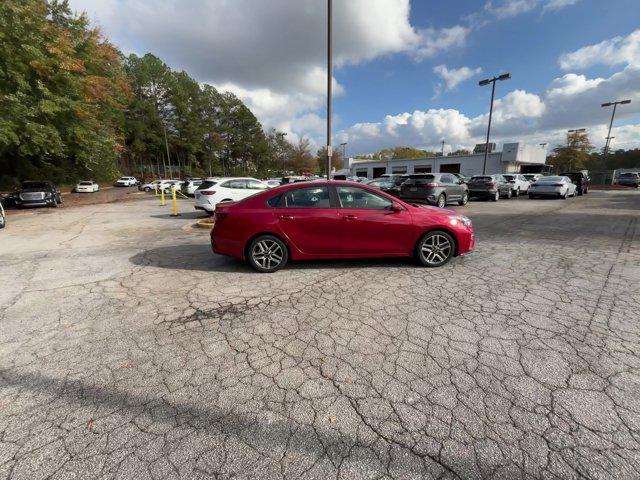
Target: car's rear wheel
(509, 193)
(267, 253)
(2, 221)
(464, 200)
(516, 192)
(435, 249)
(147, 189)
(496, 197)
(442, 201)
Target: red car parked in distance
(330, 220)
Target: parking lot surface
(128, 350)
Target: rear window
(206, 184)
(634, 175)
(86, 183)
(481, 179)
(419, 180)
(509, 177)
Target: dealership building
(514, 158)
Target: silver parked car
(560, 187)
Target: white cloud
(454, 76)
(615, 51)
(511, 8)
(434, 41)
(272, 54)
(571, 101)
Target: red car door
(369, 225)
(306, 218)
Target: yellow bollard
(155, 189)
(175, 204)
(162, 204)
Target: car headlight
(456, 219)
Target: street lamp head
(504, 76)
(608, 104)
(484, 82)
(624, 102)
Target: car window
(481, 179)
(306, 197)
(447, 179)
(256, 185)
(362, 199)
(237, 184)
(206, 184)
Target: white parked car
(532, 177)
(88, 186)
(273, 182)
(519, 184)
(214, 191)
(189, 187)
(126, 182)
(560, 187)
(169, 185)
(147, 187)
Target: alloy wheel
(436, 249)
(442, 202)
(267, 254)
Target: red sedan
(336, 220)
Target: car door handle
(285, 217)
(349, 217)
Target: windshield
(509, 177)
(552, 179)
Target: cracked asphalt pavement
(128, 350)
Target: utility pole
(442, 147)
(166, 143)
(329, 75)
(613, 114)
(482, 83)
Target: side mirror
(396, 207)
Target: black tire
(464, 200)
(509, 194)
(267, 254)
(586, 190)
(496, 196)
(531, 197)
(564, 197)
(3, 221)
(579, 192)
(147, 189)
(516, 193)
(442, 201)
(435, 249)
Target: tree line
(578, 153)
(73, 106)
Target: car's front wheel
(516, 192)
(435, 249)
(267, 253)
(464, 200)
(442, 201)
(2, 221)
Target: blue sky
(389, 52)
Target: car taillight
(207, 192)
(490, 184)
(432, 185)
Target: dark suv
(389, 183)
(435, 189)
(580, 179)
(490, 187)
(37, 194)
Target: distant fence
(604, 177)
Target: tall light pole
(442, 147)
(482, 83)
(344, 151)
(609, 137)
(329, 75)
